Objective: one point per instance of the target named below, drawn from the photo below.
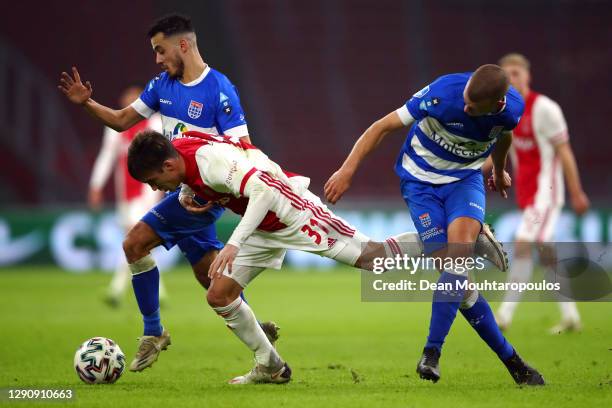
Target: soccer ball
(99, 361)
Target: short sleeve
(230, 115)
(416, 106)
(549, 122)
(148, 102)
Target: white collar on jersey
(200, 78)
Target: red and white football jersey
(538, 175)
(229, 172)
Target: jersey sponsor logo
(466, 150)
(194, 110)
(178, 130)
(422, 92)
(458, 125)
(230, 175)
(425, 220)
(523, 143)
(165, 101)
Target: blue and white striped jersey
(445, 144)
(209, 104)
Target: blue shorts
(433, 207)
(195, 234)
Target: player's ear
(183, 44)
(168, 165)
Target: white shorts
(324, 234)
(538, 224)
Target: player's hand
(500, 182)
(224, 259)
(193, 207)
(74, 89)
(580, 202)
(337, 185)
(94, 199)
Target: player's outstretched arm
(80, 94)
(501, 180)
(340, 181)
(578, 198)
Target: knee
(136, 245)
(217, 298)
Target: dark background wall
(312, 75)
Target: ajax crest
(195, 109)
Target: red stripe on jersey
(301, 204)
(245, 179)
(527, 155)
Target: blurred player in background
(188, 94)
(133, 198)
(455, 123)
(541, 154)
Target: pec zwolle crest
(195, 109)
(425, 220)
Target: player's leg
(224, 297)
(520, 272)
(521, 269)
(465, 205)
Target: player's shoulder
(544, 104)
(159, 79)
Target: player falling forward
(456, 123)
(278, 213)
(133, 198)
(541, 155)
(187, 94)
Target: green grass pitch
(344, 353)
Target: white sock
(520, 271)
(121, 278)
(569, 312)
(407, 243)
(241, 320)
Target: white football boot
(261, 375)
(149, 348)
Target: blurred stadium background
(312, 76)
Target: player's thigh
(173, 223)
(201, 267)
(428, 214)
(464, 203)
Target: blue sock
(444, 309)
(482, 320)
(146, 289)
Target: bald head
(485, 91)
